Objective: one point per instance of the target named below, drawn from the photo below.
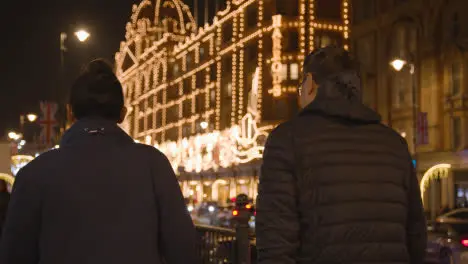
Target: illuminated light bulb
(398, 64)
(32, 117)
(12, 135)
(82, 35)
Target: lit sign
(276, 66)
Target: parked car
(207, 213)
(448, 238)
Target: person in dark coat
(101, 197)
(336, 185)
(4, 200)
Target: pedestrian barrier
(216, 244)
(227, 246)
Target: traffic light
(242, 210)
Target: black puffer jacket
(337, 186)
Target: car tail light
(249, 206)
(464, 242)
(235, 213)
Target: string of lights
(202, 95)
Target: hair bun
(98, 67)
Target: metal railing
(226, 246)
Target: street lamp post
(82, 36)
(398, 64)
(31, 118)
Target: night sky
(30, 53)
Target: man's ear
(312, 87)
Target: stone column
(444, 198)
(252, 187)
(199, 192)
(232, 187)
(451, 189)
(427, 199)
(435, 199)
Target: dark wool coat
(100, 198)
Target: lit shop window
(284, 72)
(294, 69)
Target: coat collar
(84, 128)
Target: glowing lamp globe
(82, 35)
(398, 64)
(32, 117)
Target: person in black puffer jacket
(337, 186)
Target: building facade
(426, 99)
(208, 95)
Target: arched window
(143, 85)
(130, 90)
(158, 73)
(150, 80)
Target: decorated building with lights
(208, 95)
(430, 36)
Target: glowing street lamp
(398, 64)
(14, 136)
(82, 35)
(32, 117)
